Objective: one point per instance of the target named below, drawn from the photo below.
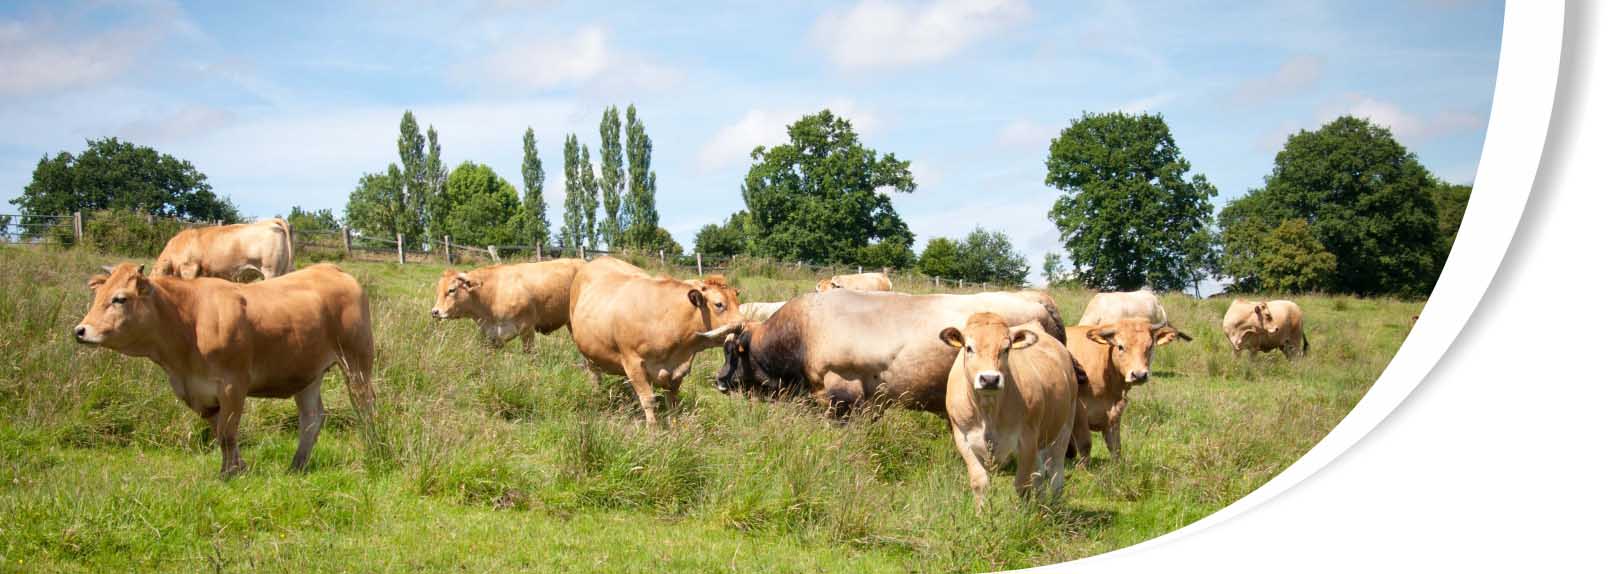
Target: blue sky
(288, 104)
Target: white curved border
(1525, 90)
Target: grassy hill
(495, 460)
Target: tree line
(1346, 208)
(472, 204)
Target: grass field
(495, 460)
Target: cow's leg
(638, 380)
(1082, 442)
(311, 414)
(1055, 456)
(973, 451)
(1113, 433)
(527, 340)
(1027, 462)
(226, 422)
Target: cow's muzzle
(82, 334)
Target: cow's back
(540, 291)
(891, 339)
(1111, 307)
(598, 306)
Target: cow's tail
(1058, 328)
(1305, 343)
(286, 236)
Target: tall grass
(488, 459)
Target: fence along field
(498, 460)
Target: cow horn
(721, 332)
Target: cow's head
(741, 371)
(827, 285)
(985, 344)
(455, 291)
(1131, 342)
(719, 306)
(121, 309)
(1265, 318)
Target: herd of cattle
(1005, 371)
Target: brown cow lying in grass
(222, 342)
(1115, 357)
(228, 251)
(1011, 391)
(508, 301)
(646, 328)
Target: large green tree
(375, 207)
(724, 240)
(579, 203)
(414, 191)
(612, 179)
(1450, 200)
(640, 206)
(1128, 213)
(822, 197)
(114, 174)
(303, 220)
(1366, 199)
(534, 224)
(484, 207)
(437, 175)
(982, 256)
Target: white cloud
(44, 55)
(1297, 74)
(186, 122)
(766, 127)
(1405, 125)
(1146, 104)
(1025, 134)
(584, 58)
(878, 34)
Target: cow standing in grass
(646, 328)
(508, 301)
(222, 342)
(1257, 326)
(1011, 391)
(228, 251)
(1115, 358)
(1110, 307)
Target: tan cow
(1265, 326)
(856, 282)
(848, 348)
(226, 251)
(1115, 358)
(1109, 307)
(646, 328)
(760, 311)
(1011, 391)
(222, 342)
(509, 301)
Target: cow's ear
(1022, 338)
(1100, 335)
(1168, 334)
(108, 269)
(952, 337)
(96, 282)
(141, 270)
(697, 300)
(143, 286)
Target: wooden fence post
(399, 238)
(495, 255)
(348, 243)
(78, 228)
(660, 259)
(539, 250)
(860, 269)
(935, 282)
(581, 251)
(449, 257)
(960, 283)
(699, 263)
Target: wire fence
(346, 244)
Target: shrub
(127, 233)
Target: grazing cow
(760, 311)
(509, 301)
(1110, 307)
(646, 328)
(1264, 326)
(856, 282)
(226, 251)
(1115, 357)
(222, 342)
(847, 347)
(1011, 391)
